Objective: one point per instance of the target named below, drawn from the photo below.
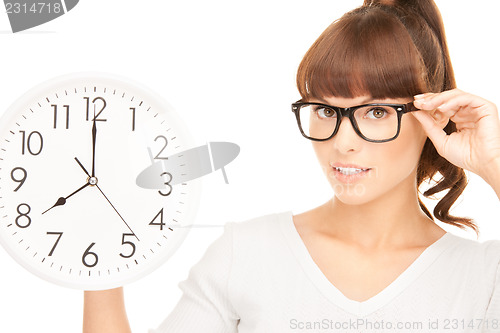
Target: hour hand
(62, 200)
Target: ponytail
(424, 23)
(429, 12)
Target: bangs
(366, 52)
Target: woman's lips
(347, 165)
(349, 172)
(350, 178)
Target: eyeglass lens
(374, 122)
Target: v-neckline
(363, 308)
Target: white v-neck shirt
(259, 277)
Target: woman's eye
(325, 112)
(377, 113)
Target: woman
(371, 258)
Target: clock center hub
(92, 181)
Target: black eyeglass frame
(349, 112)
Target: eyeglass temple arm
(409, 107)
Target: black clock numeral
(23, 216)
(161, 223)
(96, 117)
(27, 143)
(128, 243)
(20, 181)
(158, 157)
(55, 115)
(57, 241)
(88, 253)
(133, 119)
(166, 183)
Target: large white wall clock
(71, 211)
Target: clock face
(70, 209)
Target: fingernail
(419, 96)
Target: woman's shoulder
(486, 245)
(482, 252)
(490, 248)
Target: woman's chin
(351, 194)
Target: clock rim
(15, 109)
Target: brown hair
(390, 49)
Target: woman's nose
(346, 138)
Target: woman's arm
(104, 311)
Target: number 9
(20, 181)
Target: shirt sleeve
(491, 322)
(204, 305)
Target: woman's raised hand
(476, 144)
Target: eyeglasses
(376, 122)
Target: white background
(228, 67)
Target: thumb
(435, 133)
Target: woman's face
(392, 164)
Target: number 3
(167, 183)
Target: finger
(425, 95)
(438, 115)
(432, 129)
(458, 106)
(454, 100)
(432, 101)
(468, 114)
